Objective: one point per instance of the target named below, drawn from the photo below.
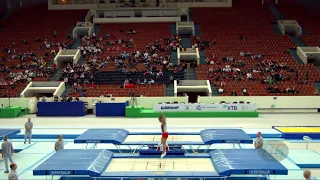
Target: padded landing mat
(296, 132)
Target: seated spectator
(288, 90)
(126, 82)
(233, 93)
(160, 74)
(222, 84)
(220, 90)
(245, 92)
(151, 82)
(38, 39)
(275, 90)
(249, 76)
(24, 42)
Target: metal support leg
(118, 148)
(192, 149)
(207, 149)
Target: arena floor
(40, 149)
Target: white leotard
(164, 128)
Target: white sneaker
(163, 154)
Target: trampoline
(8, 132)
(122, 137)
(105, 164)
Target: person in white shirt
(220, 90)
(59, 145)
(13, 175)
(28, 130)
(307, 175)
(151, 82)
(258, 143)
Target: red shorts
(165, 135)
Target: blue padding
(300, 135)
(213, 136)
(170, 143)
(111, 109)
(297, 135)
(8, 132)
(47, 136)
(158, 133)
(159, 174)
(75, 162)
(61, 109)
(189, 155)
(308, 165)
(155, 152)
(246, 161)
(265, 135)
(113, 136)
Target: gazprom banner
(205, 107)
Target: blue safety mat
(246, 161)
(214, 136)
(75, 162)
(8, 132)
(113, 136)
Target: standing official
(59, 145)
(7, 151)
(258, 143)
(28, 130)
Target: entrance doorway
(193, 96)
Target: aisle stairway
(214, 90)
(170, 90)
(172, 29)
(294, 54)
(191, 75)
(174, 57)
(66, 90)
(186, 41)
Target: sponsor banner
(205, 107)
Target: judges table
(10, 112)
(111, 108)
(205, 107)
(61, 109)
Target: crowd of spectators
(18, 65)
(121, 54)
(269, 72)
